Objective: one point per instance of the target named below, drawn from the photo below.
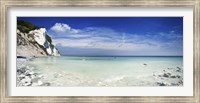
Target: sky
(114, 36)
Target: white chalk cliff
(35, 43)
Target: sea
(117, 71)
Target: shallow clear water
(104, 71)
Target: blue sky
(109, 36)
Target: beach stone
(35, 80)
(40, 82)
(35, 74)
(22, 70)
(32, 76)
(60, 75)
(180, 82)
(27, 84)
(31, 73)
(23, 81)
(46, 84)
(162, 83)
(27, 73)
(178, 69)
(28, 78)
(173, 76)
(19, 72)
(166, 74)
(34, 84)
(174, 84)
(26, 81)
(40, 76)
(178, 76)
(21, 76)
(57, 75)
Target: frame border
(5, 4)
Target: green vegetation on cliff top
(25, 27)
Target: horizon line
(126, 55)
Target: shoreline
(27, 76)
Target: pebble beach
(26, 75)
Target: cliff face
(34, 41)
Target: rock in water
(162, 84)
(173, 76)
(166, 74)
(178, 69)
(178, 76)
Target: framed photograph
(100, 51)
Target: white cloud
(106, 38)
(61, 27)
(99, 43)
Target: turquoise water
(103, 71)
